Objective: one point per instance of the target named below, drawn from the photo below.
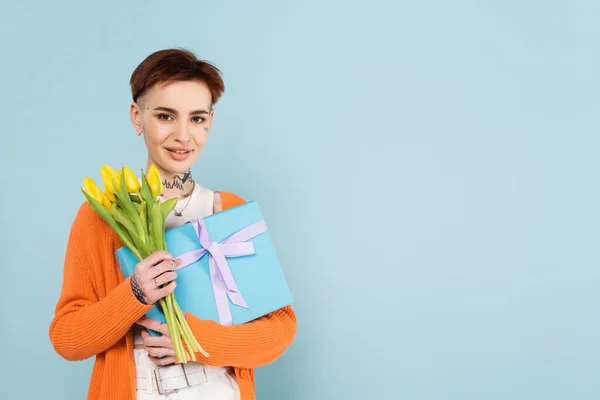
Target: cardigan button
(244, 373)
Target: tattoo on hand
(137, 290)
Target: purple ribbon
(220, 274)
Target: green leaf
(123, 219)
(167, 206)
(158, 230)
(127, 205)
(144, 250)
(106, 216)
(99, 208)
(128, 241)
(145, 191)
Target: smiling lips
(179, 153)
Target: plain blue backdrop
(428, 170)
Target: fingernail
(178, 261)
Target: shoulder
(89, 229)
(86, 218)
(224, 200)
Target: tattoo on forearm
(137, 290)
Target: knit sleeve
(248, 345)
(229, 200)
(85, 324)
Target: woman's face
(175, 119)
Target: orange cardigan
(97, 309)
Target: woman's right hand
(151, 273)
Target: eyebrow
(173, 111)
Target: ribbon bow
(220, 274)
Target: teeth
(179, 151)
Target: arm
(249, 345)
(84, 324)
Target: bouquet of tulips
(138, 218)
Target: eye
(198, 120)
(163, 117)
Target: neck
(178, 185)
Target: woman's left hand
(160, 348)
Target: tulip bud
(105, 201)
(154, 180)
(90, 188)
(109, 179)
(132, 182)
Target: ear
(135, 113)
(211, 116)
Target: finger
(160, 352)
(155, 258)
(165, 278)
(156, 341)
(167, 290)
(164, 330)
(164, 360)
(153, 324)
(162, 267)
(148, 323)
(156, 292)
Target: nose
(182, 133)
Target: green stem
(196, 344)
(189, 352)
(187, 331)
(171, 326)
(175, 335)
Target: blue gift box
(248, 282)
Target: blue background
(428, 171)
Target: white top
(199, 203)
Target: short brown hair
(175, 65)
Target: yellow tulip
(105, 201)
(91, 189)
(154, 180)
(110, 196)
(132, 182)
(108, 177)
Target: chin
(177, 167)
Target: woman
(101, 314)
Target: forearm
(247, 345)
(82, 328)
